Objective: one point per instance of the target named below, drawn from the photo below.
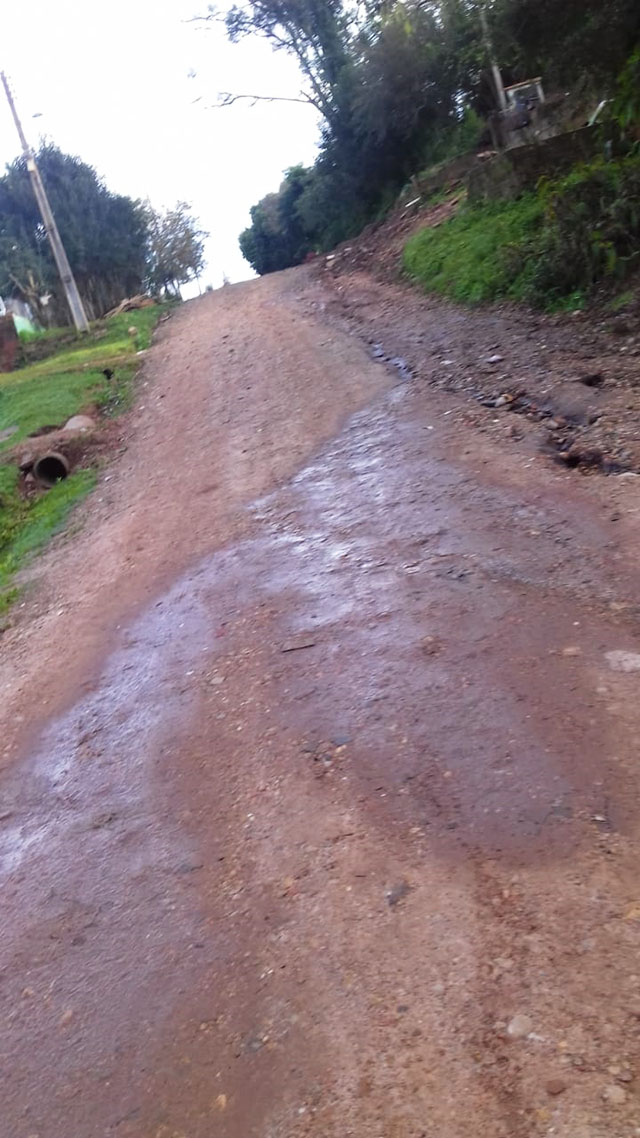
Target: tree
(104, 235)
(278, 236)
(175, 248)
(316, 32)
(381, 75)
(399, 84)
(569, 41)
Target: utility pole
(495, 70)
(69, 285)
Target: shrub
(591, 230)
(543, 248)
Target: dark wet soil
(319, 807)
(566, 385)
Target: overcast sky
(111, 81)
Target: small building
(525, 96)
(523, 121)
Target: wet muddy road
(319, 804)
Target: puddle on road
(380, 550)
(397, 362)
(99, 754)
(383, 559)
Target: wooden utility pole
(69, 285)
(495, 70)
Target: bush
(462, 138)
(543, 248)
(591, 230)
(479, 255)
(626, 108)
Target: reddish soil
(319, 806)
(569, 384)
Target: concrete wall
(446, 175)
(514, 171)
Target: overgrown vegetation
(116, 247)
(626, 108)
(27, 524)
(44, 395)
(549, 249)
(471, 257)
(397, 84)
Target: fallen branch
(130, 304)
(298, 647)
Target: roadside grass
(48, 392)
(552, 248)
(623, 300)
(443, 195)
(470, 258)
(45, 394)
(27, 525)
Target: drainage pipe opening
(50, 468)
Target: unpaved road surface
(567, 385)
(319, 800)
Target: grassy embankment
(45, 394)
(550, 248)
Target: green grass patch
(26, 525)
(550, 248)
(471, 257)
(621, 301)
(46, 393)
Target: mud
(319, 807)
(574, 379)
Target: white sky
(111, 80)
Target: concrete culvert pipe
(50, 468)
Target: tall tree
(278, 236)
(399, 84)
(175, 248)
(317, 33)
(568, 41)
(104, 235)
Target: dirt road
(319, 801)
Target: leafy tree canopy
(175, 247)
(394, 80)
(116, 246)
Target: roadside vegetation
(27, 524)
(44, 395)
(550, 248)
(117, 247)
(404, 85)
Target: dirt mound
(378, 249)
